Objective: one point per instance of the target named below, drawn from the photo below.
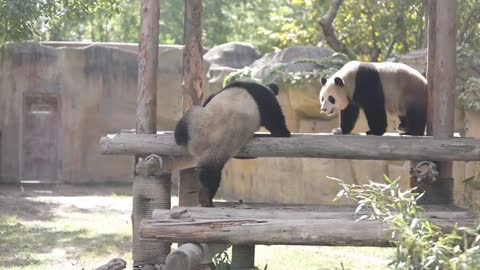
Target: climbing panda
(217, 131)
(377, 88)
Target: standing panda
(377, 88)
(228, 119)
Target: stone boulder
(291, 57)
(232, 54)
(226, 58)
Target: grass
(83, 228)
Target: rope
(149, 193)
(425, 171)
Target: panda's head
(333, 96)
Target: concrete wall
(96, 90)
(95, 87)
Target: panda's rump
(403, 88)
(227, 126)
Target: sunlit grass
(84, 232)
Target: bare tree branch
(465, 25)
(390, 47)
(329, 33)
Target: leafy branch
(420, 244)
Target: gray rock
(262, 67)
(232, 54)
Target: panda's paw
(377, 133)
(207, 205)
(337, 131)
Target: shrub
(419, 243)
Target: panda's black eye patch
(331, 99)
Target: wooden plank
(245, 211)
(312, 146)
(330, 232)
(283, 224)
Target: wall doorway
(40, 134)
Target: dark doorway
(40, 137)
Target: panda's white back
(224, 125)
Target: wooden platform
(281, 224)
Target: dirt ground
(63, 226)
(83, 227)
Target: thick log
(193, 256)
(312, 146)
(328, 232)
(273, 211)
(295, 225)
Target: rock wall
(95, 87)
(96, 91)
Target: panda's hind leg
(402, 126)
(210, 176)
(416, 120)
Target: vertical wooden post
(243, 257)
(189, 186)
(149, 192)
(431, 46)
(441, 74)
(192, 55)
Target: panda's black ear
(324, 81)
(274, 88)
(339, 81)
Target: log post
(192, 89)
(243, 257)
(441, 74)
(151, 191)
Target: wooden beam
(312, 146)
(273, 211)
(291, 225)
(192, 55)
(147, 67)
(192, 256)
(331, 232)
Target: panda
(377, 88)
(228, 119)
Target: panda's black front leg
(348, 118)
(377, 120)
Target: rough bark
(326, 23)
(313, 146)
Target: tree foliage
(419, 243)
(365, 29)
(33, 19)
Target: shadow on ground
(20, 242)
